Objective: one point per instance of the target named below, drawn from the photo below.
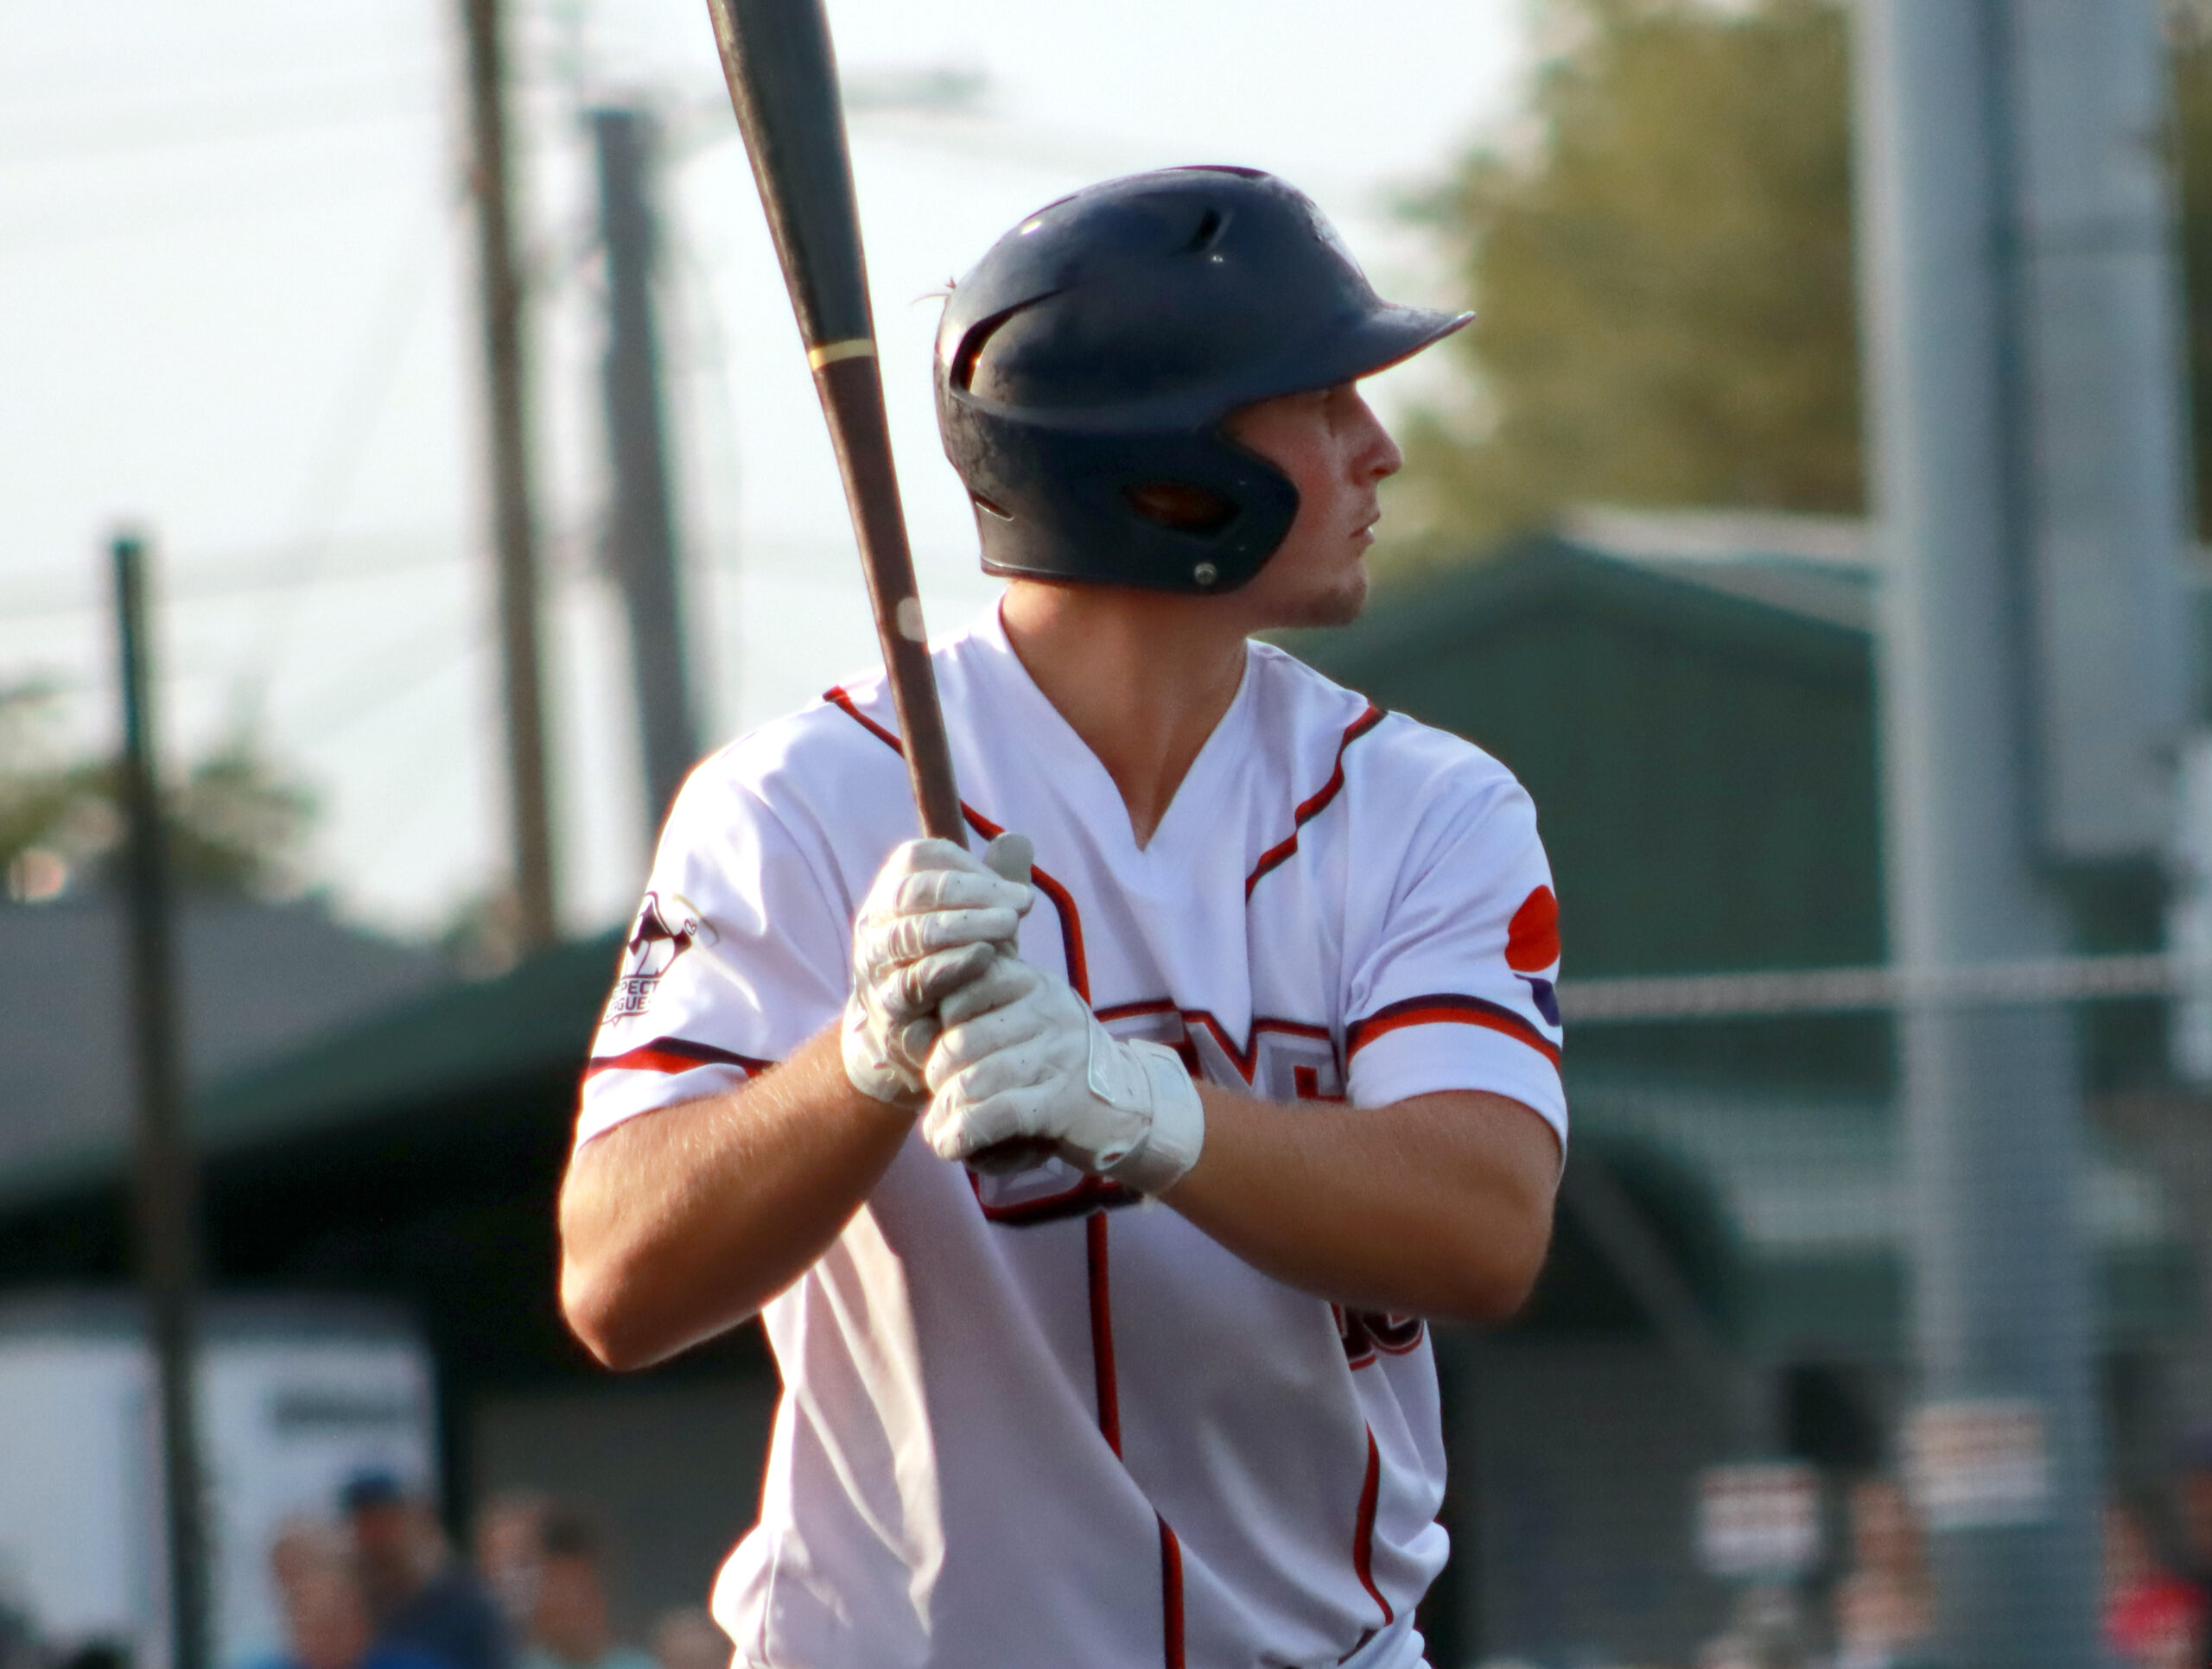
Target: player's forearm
(1437, 1206)
(681, 1223)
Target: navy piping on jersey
(671, 1055)
(1447, 1007)
(1316, 803)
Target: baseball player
(1274, 1003)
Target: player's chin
(1339, 602)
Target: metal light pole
(641, 542)
(166, 1194)
(2025, 459)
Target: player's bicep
(1454, 986)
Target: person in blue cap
(422, 1600)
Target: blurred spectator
(1885, 1608)
(326, 1615)
(689, 1638)
(568, 1626)
(2153, 1618)
(507, 1558)
(420, 1599)
(1765, 1632)
(2196, 1519)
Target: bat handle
(1010, 856)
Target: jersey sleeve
(1454, 985)
(737, 956)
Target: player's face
(1336, 453)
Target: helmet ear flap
(1179, 505)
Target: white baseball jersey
(1034, 1419)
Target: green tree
(1661, 273)
(1661, 260)
(235, 824)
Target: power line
(352, 426)
(247, 573)
(165, 141)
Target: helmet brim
(1386, 336)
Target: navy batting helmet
(1085, 367)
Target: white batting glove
(936, 917)
(1022, 1056)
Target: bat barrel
(782, 72)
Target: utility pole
(641, 543)
(166, 1195)
(506, 422)
(2024, 466)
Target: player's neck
(1143, 677)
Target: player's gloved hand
(936, 917)
(1022, 1056)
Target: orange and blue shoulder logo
(1532, 949)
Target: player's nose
(1376, 456)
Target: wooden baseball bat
(783, 83)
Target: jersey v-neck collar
(1085, 776)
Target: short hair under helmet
(1085, 367)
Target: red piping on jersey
(1170, 1597)
(1447, 1007)
(1102, 1333)
(1313, 807)
(1063, 906)
(671, 1055)
(1089, 1194)
(835, 695)
(1062, 900)
(1363, 1535)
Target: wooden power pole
(165, 1195)
(507, 443)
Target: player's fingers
(901, 991)
(957, 1128)
(1007, 980)
(1016, 1026)
(911, 938)
(958, 889)
(919, 987)
(1019, 1063)
(910, 1043)
(914, 857)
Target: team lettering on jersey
(1285, 1060)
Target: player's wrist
(1175, 1129)
(868, 1065)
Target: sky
(236, 313)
